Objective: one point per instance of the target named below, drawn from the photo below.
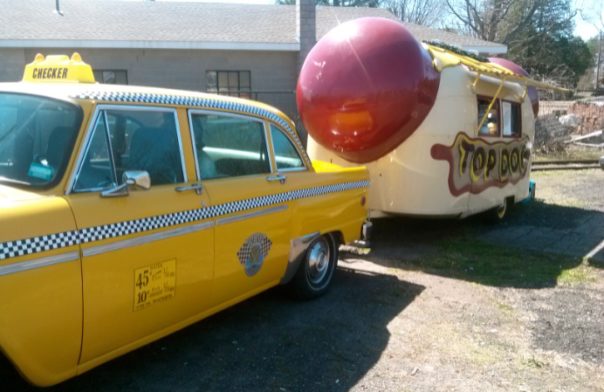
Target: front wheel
(315, 272)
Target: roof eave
(133, 44)
(494, 49)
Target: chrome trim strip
(258, 205)
(96, 250)
(268, 144)
(192, 136)
(237, 218)
(297, 248)
(84, 146)
(293, 169)
(38, 263)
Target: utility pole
(599, 61)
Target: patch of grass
(505, 308)
(535, 363)
(496, 265)
(580, 275)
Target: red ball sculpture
(365, 87)
(518, 70)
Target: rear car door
(147, 255)
(252, 213)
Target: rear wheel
(316, 270)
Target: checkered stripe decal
(33, 245)
(43, 243)
(203, 102)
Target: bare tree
(538, 33)
(593, 13)
(421, 12)
(495, 20)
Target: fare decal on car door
(253, 252)
(154, 283)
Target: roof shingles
(114, 21)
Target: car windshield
(36, 139)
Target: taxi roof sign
(58, 69)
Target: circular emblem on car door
(253, 252)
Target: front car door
(147, 254)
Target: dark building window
(234, 83)
(111, 76)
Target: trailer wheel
(501, 212)
(316, 270)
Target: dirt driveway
(436, 306)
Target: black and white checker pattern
(197, 101)
(33, 245)
(43, 243)
(253, 252)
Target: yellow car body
(92, 265)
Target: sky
(590, 18)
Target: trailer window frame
(486, 100)
(516, 119)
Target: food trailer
(443, 132)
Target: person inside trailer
(490, 127)
(492, 123)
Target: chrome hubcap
(318, 261)
(501, 210)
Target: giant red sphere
(518, 70)
(365, 87)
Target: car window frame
(268, 125)
(86, 142)
(267, 141)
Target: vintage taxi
(128, 213)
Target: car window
(97, 170)
(286, 155)
(131, 139)
(228, 146)
(36, 139)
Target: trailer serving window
(490, 127)
(511, 124)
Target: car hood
(10, 196)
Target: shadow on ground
(530, 249)
(267, 343)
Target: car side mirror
(132, 178)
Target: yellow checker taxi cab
(128, 213)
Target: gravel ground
(389, 324)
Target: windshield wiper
(6, 180)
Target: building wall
(12, 62)
(273, 74)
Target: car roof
(114, 93)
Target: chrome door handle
(193, 187)
(278, 177)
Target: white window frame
(91, 127)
